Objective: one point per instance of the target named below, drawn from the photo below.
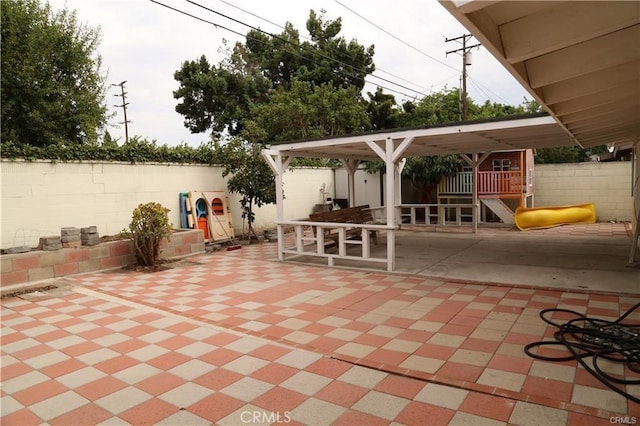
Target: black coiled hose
(598, 339)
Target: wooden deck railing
(488, 183)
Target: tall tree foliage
(307, 111)
(271, 89)
(52, 83)
(271, 74)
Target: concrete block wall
(40, 197)
(41, 265)
(607, 185)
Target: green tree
(251, 177)
(307, 111)
(259, 74)
(382, 110)
(437, 108)
(52, 84)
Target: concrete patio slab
(238, 338)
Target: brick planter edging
(40, 265)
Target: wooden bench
(360, 215)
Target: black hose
(598, 339)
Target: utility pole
(124, 108)
(466, 60)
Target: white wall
(607, 185)
(367, 187)
(40, 197)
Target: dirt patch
(163, 265)
(29, 290)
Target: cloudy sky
(144, 43)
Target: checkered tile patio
(236, 338)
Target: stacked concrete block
(50, 243)
(89, 236)
(70, 237)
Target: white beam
(351, 166)
(593, 55)
(549, 30)
(631, 95)
(399, 152)
(376, 148)
(615, 78)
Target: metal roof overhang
(579, 59)
(468, 137)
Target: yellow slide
(547, 217)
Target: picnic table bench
(357, 215)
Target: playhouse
(504, 182)
(208, 211)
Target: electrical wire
(296, 54)
(394, 36)
(482, 88)
(308, 39)
(298, 46)
(598, 339)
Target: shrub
(149, 224)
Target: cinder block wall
(40, 197)
(40, 265)
(607, 185)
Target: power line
(253, 14)
(298, 46)
(308, 39)
(480, 87)
(474, 84)
(416, 49)
(394, 36)
(197, 17)
(261, 41)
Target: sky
(145, 43)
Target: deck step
(501, 210)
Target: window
(503, 165)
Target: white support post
(391, 156)
(474, 194)
(474, 162)
(342, 238)
(278, 165)
(280, 207)
(390, 202)
(399, 167)
(351, 166)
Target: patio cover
(579, 60)
(393, 146)
(534, 131)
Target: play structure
(547, 217)
(208, 211)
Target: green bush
(137, 151)
(149, 224)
